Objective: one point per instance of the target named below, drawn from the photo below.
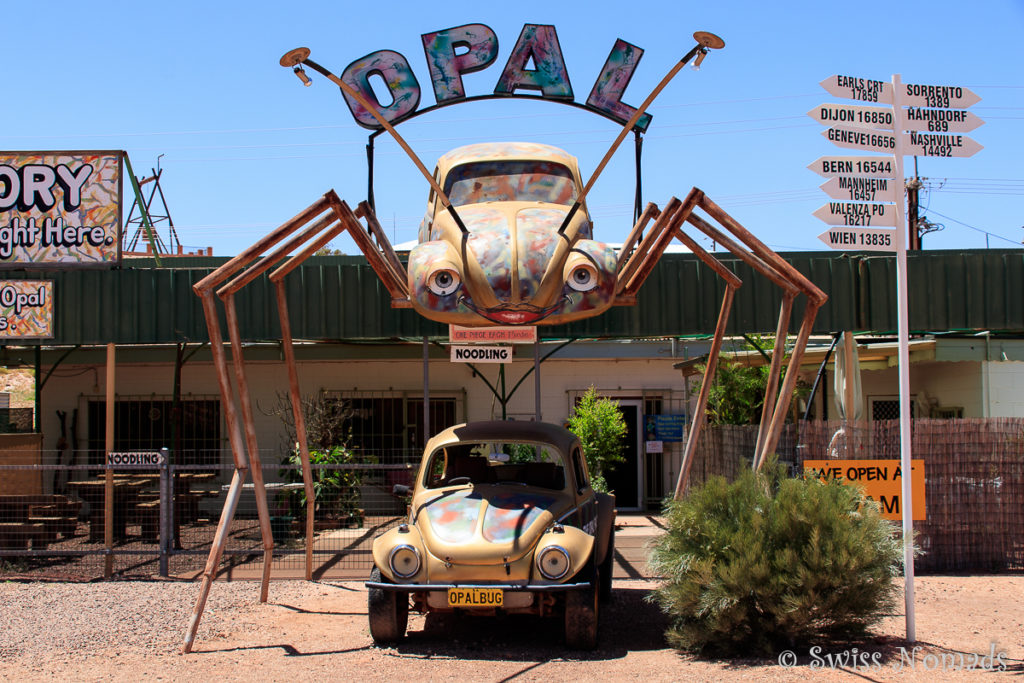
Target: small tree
(769, 562)
(599, 424)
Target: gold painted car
(502, 519)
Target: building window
(389, 425)
(147, 424)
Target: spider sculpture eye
(443, 282)
(583, 278)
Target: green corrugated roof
(340, 298)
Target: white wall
(1005, 385)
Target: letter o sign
(397, 75)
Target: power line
(986, 232)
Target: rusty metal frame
(637, 262)
(329, 216)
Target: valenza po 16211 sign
(59, 208)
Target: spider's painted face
(513, 267)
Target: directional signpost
(870, 194)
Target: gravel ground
(317, 631)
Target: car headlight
(553, 562)
(404, 561)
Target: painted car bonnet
(512, 267)
(484, 524)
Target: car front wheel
(388, 610)
(581, 611)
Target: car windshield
(496, 462)
(503, 181)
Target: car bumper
(529, 588)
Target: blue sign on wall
(664, 427)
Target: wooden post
(108, 489)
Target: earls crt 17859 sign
(59, 208)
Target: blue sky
(245, 146)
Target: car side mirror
(400, 490)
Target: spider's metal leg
(815, 299)
(242, 451)
(277, 277)
(732, 283)
(650, 212)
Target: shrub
(601, 429)
(768, 562)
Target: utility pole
(913, 232)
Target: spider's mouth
(520, 314)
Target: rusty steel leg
(251, 444)
(781, 330)
(300, 422)
(216, 551)
(705, 389)
(789, 384)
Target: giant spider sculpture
(507, 240)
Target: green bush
(601, 429)
(768, 562)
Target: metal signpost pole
(906, 503)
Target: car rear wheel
(581, 611)
(388, 610)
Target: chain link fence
(164, 518)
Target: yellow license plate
(475, 597)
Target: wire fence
(974, 479)
(165, 518)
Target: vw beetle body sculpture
(502, 518)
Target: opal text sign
(26, 309)
(536, 65)
(882, 481)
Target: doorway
(625, 479)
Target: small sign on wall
(26, 309)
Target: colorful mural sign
(26, 309)
(59, 209)
(536, 65)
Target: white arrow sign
(945, 96)
(858, 213)
(937, 145)
(853, 88)
(864, 167)
(940, 120)
(869, 140)
(860, 189)
(860, 239)
(854, 115)
(481, 354)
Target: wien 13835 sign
(536, 65)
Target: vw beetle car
(502, 519)
(517, 264)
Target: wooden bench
(147, 515)
(16, 535)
